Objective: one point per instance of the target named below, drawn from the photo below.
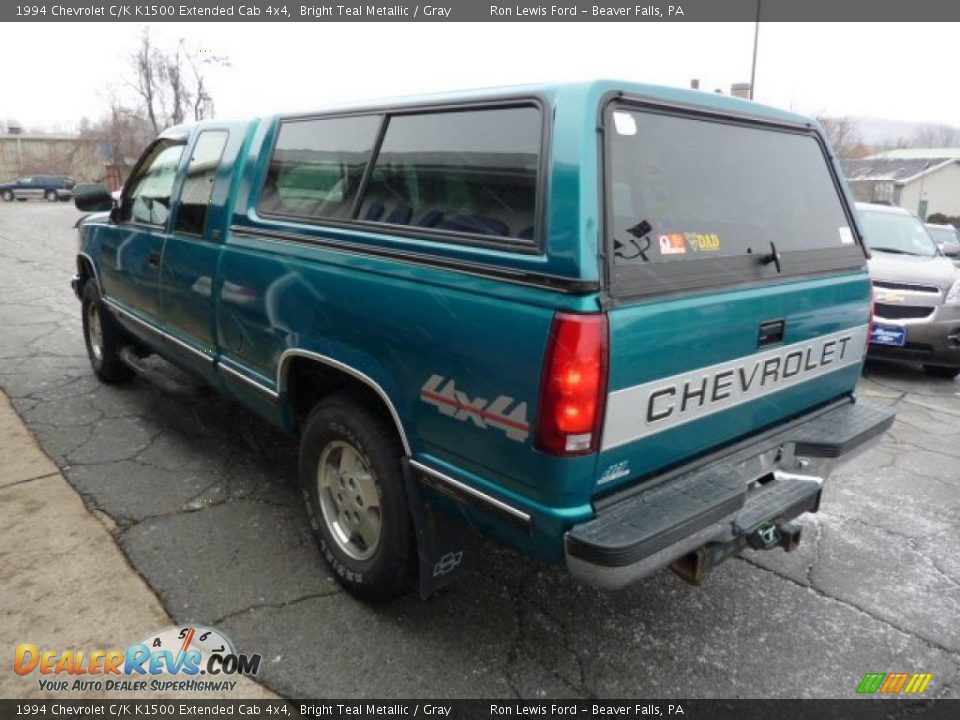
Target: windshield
(895, 233)
(943, 234)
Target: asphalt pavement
(198, 494)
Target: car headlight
(953, 294)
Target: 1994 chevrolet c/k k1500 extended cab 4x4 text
(614, 326)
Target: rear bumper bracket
(722, 503)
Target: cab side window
(198, 185)
(466, 171)
(317, 166)
(146, 197)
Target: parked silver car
(916, 292)
(946, 236)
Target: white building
(922, 180)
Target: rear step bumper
(745, 497)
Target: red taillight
(574, 385)
(873, 302)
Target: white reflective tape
(642, 410)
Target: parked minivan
(615, 326)
(49, 187)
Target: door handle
(771, 333)
(153, 259)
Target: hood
(937, 270)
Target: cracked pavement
(200, 497)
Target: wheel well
(308, 381)
(84, 270)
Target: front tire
(941, 371)
(352, 483)
(51, 196)
(7, 195)
(103, 337)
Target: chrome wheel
(95, 331)
(349, 500)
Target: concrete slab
(64, 584)
(20, 458)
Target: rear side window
(471, 171)
(198, 185)
(694, 202)
(317, 166)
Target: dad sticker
(704, 242)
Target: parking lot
(201, 495)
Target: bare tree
(844, 136)
(936, 136)
(171, 84)
(146, 63)
(162, 88)
(121, 133)
(202, 100)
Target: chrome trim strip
(124, 313)
(96, 275)
(248, 380)
(365, 379)
(907, 288)
(472, 491)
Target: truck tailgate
(691, 374)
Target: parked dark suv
(49, 187)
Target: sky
(900, 71)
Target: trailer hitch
(694, 566)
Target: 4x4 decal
(456, 404)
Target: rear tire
(352, 481)
(51, 195)
(103, 337)
(941, 371)
(7, 195)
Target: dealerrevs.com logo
(191, 659)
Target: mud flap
(446, 545)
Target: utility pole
(921, 203)
(756, 38)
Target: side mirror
(951, 249)
(92, 198)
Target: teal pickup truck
(614, 326)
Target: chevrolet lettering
(616, 327)
(674, 401)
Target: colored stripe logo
(894, 683)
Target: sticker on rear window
(672, 244)
(704, 242)
(846, 236)
(625, 123)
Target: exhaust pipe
(693, 567)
